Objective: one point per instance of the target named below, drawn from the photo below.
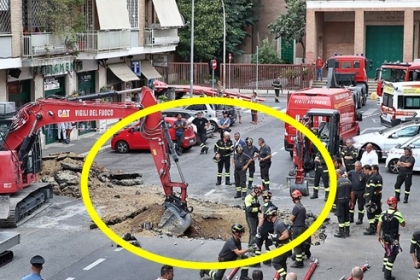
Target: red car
(131, 139)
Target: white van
(400, 103)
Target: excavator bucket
(175, 221)
(4, 207)
(302, 187)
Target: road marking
(92, 265)
(210, 192)
(282, 149)
(369, 129)
(70, 278)
(369, 112)
(273, 154)
(284, 110)
(119, 249)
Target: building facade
(122, 42)
(383, 31)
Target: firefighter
(277, 86)
(251, 151)
(264, 226)
(415, 250)
(298, 219)
(231, 251)
(345, 201)
(279, 237)
(321, 171)
(373, 196)
(202, 125)
(388, 235)
(358, 181)
(223, 149)
(349, 155)
(252, 208)
(241, 163)
(405, 174)
(265, 163)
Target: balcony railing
(161, 37)
(43, 44)
(103, 41)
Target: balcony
(104, 41)
(161, 37)
(43, 44)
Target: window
(356, 65)
(409, 102)
(415, 143)
(345, 65)
(5, 21)
(133, 13)
(408, 131)
(388, 100)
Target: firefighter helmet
(296, 194)
(249, 141)
(371, 207)
(217, 158)
(258, 189)
(266, 195)
(237, 228)
(392, 200)
(271, 211)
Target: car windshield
(392, 129)
(393, 75)
(410, 141)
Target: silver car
(386, 139)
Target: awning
(107, 9)
(123, 72)
(149, 71)
(168, 13)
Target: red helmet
(392, 200)
(258, 188)
(296, 194)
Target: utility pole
(192, 50)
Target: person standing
(265, 163)
(180, 125)
(349, 155)
(241, 163)
(202, 125)
(344, 201)
(239, 109)
(220, 89)
(415, 250)
(254, 113)
(358, 181)
(37, 263)
(238, 140)
(166, 273)
(321, 172)
(223, 149)
(264, 227)
(405, 174)
(277, 86)
(388, 235)
(369, 157)
(61, 133)
(251, 151)
(298, 219)
(319, 64)
(224, 124)
(373, 196)
(231, 251)
(252, 208)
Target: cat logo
(63, 113)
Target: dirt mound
(128, 206)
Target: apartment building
(122, 42)
(382, 30)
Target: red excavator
(21, 154)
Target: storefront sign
(384, 16)
(57, 69)
(51, 83)
(160, 60)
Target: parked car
(213, 112)
(189, 115)
(395, 153)
(386, 139)
(130, 138)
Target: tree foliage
(267, 53)
(291, 25)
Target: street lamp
(192, 50)
(224, 44)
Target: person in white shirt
(369, 157)
(166, 273)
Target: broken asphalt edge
(104, 149)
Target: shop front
(19, 81)
(53, 86)
(86, 85)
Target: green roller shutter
(287, 54)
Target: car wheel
(214, 126)
(122, 146)
(392, 166)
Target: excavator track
(27, 203)
(5, 257)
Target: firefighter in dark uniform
(277, 86)
(415, 250)
(264, 226)
(231, 251)
(223, 149)
(279, 238)
(405, 174)
(202, 124)
(265, 163)
(252, 208)
(349, 155)
(298, 218)
(373, 196)
(345, 200)
(388, 235)
(358, 180)
(321, 171)
(241, 163)
(251, 151)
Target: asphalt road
(74, 252)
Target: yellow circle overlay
(206, 265)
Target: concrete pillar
(311, 36)
(71, 83)
(3, 86)
(39, 86)
(142, 22)
(408, 35)
(100, 80)
(359, 32)
(16, 26)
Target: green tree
(291, 25)
(267, 53)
